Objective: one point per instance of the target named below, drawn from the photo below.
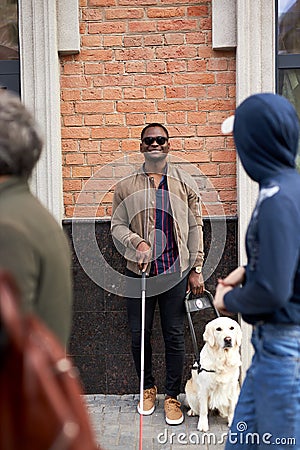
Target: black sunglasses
(161, 140)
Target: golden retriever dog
(215, 384)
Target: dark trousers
(172, 317)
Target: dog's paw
(191, 413)
(203, 424)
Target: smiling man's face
(155, 144)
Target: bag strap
(192, 329)
(209, 296)
(11, 318)
(211, 301)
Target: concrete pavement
(116, 424)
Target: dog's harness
(197, 366)
(197, 304)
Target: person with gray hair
(33, 246)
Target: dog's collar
(197, 366)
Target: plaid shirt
(165, 251)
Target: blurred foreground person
(33, 247)
(267, 290)
(42, 406)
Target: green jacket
(133, 216)
(35, 250)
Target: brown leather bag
(41, 404)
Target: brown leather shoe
(149, 401)
(173, 413)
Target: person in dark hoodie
(267, 290)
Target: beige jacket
(133, 216)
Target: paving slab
(116, 423)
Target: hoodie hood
(266, 133)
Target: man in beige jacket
(157, 225)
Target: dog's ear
(208, 335)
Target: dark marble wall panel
(100, 340)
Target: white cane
(142, 357)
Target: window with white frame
(9, 45)
(288, 53)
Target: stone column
(255, 72)
(40, 90)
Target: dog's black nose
(227, 341)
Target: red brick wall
(143, 61)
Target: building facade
(95, 72)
